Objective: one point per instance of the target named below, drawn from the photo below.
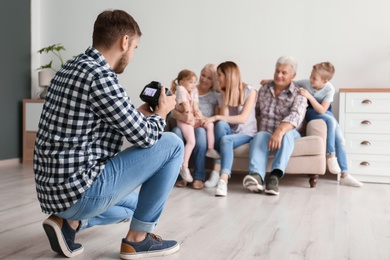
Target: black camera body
(151, 93)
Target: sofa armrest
(317, 127)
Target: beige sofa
(308, 157)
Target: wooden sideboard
(31, 113)
(364, 118)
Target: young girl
(237, 121)
(319, 92)
(187, 99)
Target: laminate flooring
(327, 222)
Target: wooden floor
(328, 222)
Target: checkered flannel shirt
(85, 116)
(289, 106)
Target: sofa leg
(313, 180)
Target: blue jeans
(335, 143)
(112, 197)
(198, 153)
(258, 154)
(225, 142)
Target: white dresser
(364, 118)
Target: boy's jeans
(335, 143)
(112, 197)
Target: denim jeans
(112, 198)
(198, 153)
(258, 154)
(225, 142)
(335, 143)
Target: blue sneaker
(152, 245)
(61, 236)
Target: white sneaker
(221, 190)
(350, 181)
(212, 153)
(186, 175)
(333, 165)
(213, 180)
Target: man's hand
(165, 104)
(275, 140)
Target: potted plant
(46, 72)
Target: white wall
(177, 34)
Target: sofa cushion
(307, 145)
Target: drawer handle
(365, 143)
(366, 101)
(365, 163)
(365, 122)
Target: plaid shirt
(289, 106)
(85, 116)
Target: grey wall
(15, 52)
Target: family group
(218, 114)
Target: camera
(151, 93)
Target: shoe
(221, 190)
(213, 180)
(61, 236)
(350, 181)
(181, 183)
(333, 165)
(253, 182)
(212, 153)
(186, 175)
(152, 245)
(272, 185)
(197, 185)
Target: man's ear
(124, 42)
(294, 75)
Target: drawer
(367, 144)
(370, 168)
(367, 103)
(367, 123)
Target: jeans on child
(335, 142)
(112, 197)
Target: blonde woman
(236, 119)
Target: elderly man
(282, 110)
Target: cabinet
(31, 113)
(364, 118)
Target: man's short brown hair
(110, 25)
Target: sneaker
(253, 182)
(333, 165)
(61, 236)
(213, 180)
(272, 185)
(212, 153)
(221, 190)
(186, 175)
(152, 245)
(350, 181)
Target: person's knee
(173, 140)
